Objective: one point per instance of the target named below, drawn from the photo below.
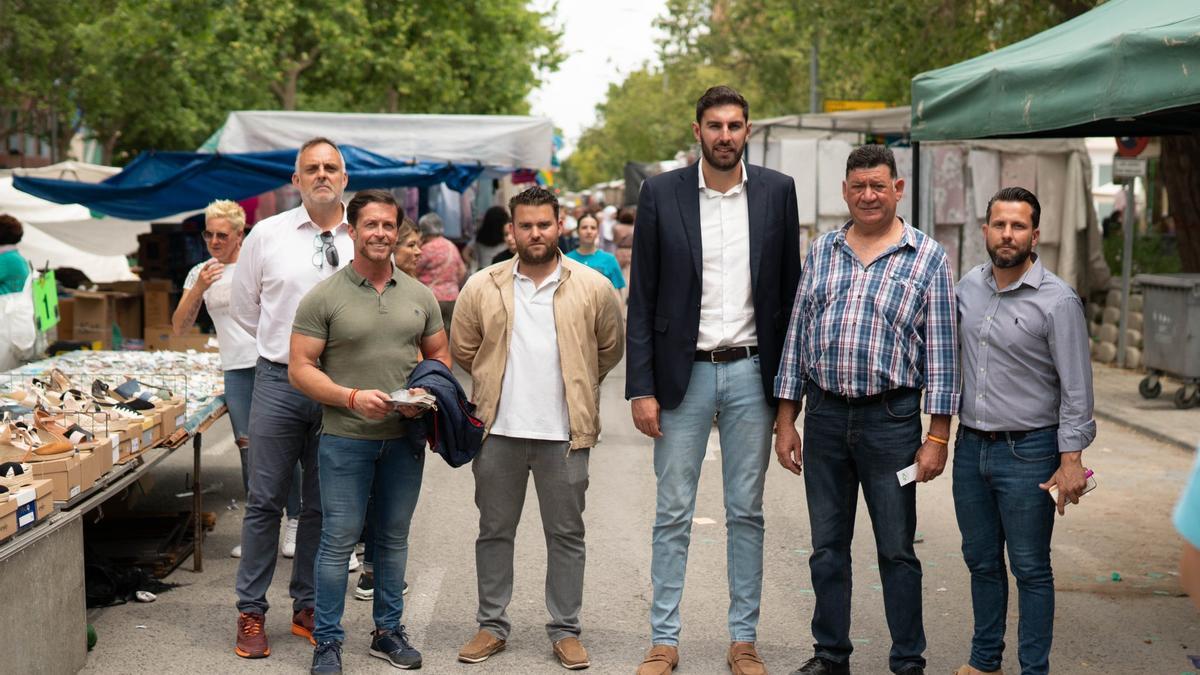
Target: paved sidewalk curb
(1159, 436)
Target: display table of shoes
(78, 420)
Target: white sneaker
(289, 537)
(236, 552)
(353, 562)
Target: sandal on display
(15, 474)
(104, 394)
(133, 390)
(59, 381)
(57, 426)
(32, 441)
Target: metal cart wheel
(1187, 396)
(1150, 387)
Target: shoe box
(26, 506)
(64, 474)
(174, 415)
(162, 338)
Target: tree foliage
(163, 74)
(869, 50)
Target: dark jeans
(999, 505)
(283, 431)
(846, 445)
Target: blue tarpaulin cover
(159, 184)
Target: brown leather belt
(726, 354)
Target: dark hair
(721, 95)
(1016, 194)
(869, 157)
(626, 216)
(10, 230)
(364, 197)
(534, 196)
(491, 228)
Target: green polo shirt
(372, 340)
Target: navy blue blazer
(665, 279)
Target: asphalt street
(1120, 608)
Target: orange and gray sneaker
(303, 624)
(251, 636)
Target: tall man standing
(357, 336)
(873, 325)
(716, 258)
(538, 334)
(1026, 418)
(283, 258)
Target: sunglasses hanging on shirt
(324, 251)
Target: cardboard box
(8, 516)
(95, 313)
(64, 473)
(161, 338)
(105, 455)
(174, 416)
(34, 503)
(66, 318)
(156, 302)
(89, 467)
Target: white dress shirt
(533, 400)
(278, 265)
(726, 303)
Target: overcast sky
(604, 42)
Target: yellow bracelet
(936, 439)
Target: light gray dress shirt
(1026, 360)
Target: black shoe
(911, 670)
(393, 647)
(405, 591)
(365, 590)
(821, 666)
(327, 658)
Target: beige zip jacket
(591, 339)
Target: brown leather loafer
(571, 654)
(482, 646)
(660, 660)
(743, 659)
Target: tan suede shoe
(660, 660)
(743, 659)
(968, 670)
(482, 646)
(571, 654)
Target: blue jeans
(351, 470)
(999, 504)
(733, 392)
(847, 445)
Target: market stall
(41, 517)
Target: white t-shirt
(238, 349)
(533, 399)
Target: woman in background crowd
(489, 239)
(588, 253)
(440, 266)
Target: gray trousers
(502, 470)
(284, 425)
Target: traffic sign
(1128, 167)
(1131, 146)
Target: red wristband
(353, 393)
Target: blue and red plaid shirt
(859, 331)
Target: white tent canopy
(508, 141)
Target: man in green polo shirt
(357, 336)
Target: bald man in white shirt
(282, 259)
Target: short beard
(1016, 260)
(530, 259)
(711, 160)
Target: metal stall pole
(197, 509)
(916, 186)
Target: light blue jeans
(351, 470)
(733, 393)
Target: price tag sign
(45, 301)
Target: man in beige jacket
(538, 333)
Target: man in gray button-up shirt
(1026, 418)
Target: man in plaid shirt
(873, 325)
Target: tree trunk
(1181, 176)
(393, 100)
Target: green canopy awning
(1126, 68)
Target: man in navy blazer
(716, 261)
